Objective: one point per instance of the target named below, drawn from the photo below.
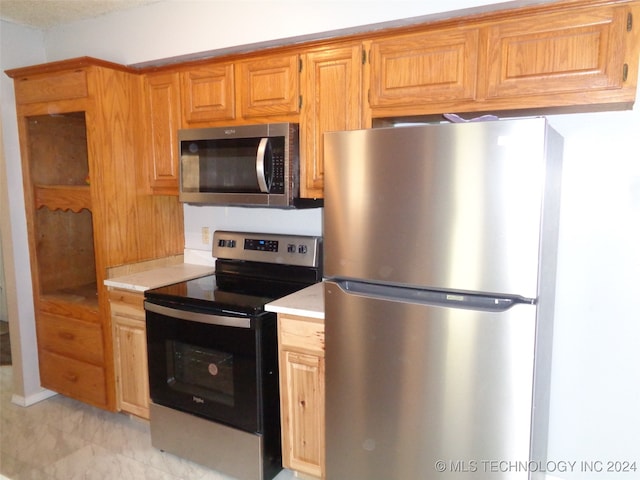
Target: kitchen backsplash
(200, 221)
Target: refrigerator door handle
(450, 299)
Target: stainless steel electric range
(212, 351)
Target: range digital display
(261, 245)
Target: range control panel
(268, 247)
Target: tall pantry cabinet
(88, 208)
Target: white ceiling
(45, 14)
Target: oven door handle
(222, 320)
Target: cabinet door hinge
(625, 72)
(300, 102)
(364, 56)
(300, 65)
(629, 22)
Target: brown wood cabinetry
(79, 125)
(331, 100)
(269, 86)
(572, 55)
(208, 93)
(130, 352)
(162, 95)
(420, 69)
(559, 58)
(302, 393)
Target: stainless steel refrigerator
(440, 252)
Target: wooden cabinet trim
(44, 88)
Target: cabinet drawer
(302, 333)
(73, 378)
(75, 338)
(127, 304)
(46, 88)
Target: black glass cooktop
(234, 290)
(204, 293)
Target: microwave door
(262, 169)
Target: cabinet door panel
(418, 69)
(163, 107)
(331, 100)
(552, 53)
(270, 86)
(130, 352)
(302, 394)
(208, 93)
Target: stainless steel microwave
(248, 165)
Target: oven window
(202, 372)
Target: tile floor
(62, 439)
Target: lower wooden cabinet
(130, 352)
(302, 393)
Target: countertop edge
(158, 277)
(308, 302)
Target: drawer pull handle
(67, 336)
(72, 377)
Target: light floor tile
(62, 439)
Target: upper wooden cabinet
(208, 93)
(576, 55)
(435, 66)
(331, 100)
(269, 86)
(162, 95)
(558, 58)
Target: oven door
(211, 365)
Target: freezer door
(429, 392)
(454, 206)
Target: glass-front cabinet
(62, 213)
(80, 122)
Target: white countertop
(158, 277)
(308, 302)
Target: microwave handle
(260, 160)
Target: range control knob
(291, 248)
(302, 249)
